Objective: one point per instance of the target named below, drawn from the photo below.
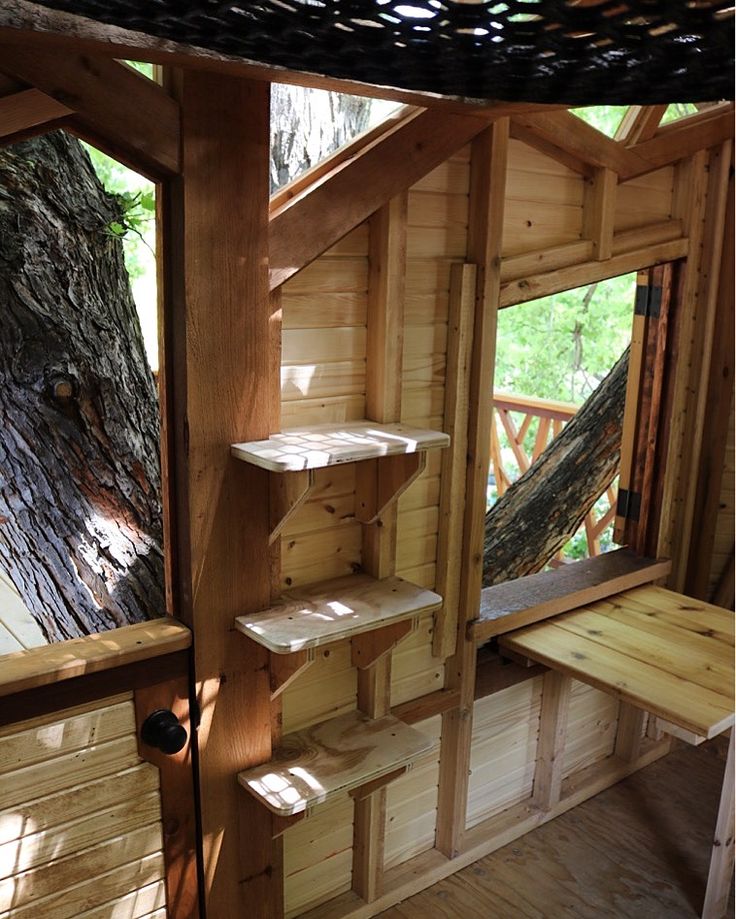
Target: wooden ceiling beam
(578, 140)
(27, 112)
(308, 224)
(115, 107)
(29, 25)
(680, 139)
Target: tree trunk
(544, 507)
(307, 125)
(80, 485)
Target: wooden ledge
(35, 667)
(319, 614)
(347, 752)
(324, 445)
(530, 599)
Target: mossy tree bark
(544, 507)
(80, 482)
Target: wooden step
(328, 445)
(312, 766)
(332, 610)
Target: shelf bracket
(380, 482)
(369, 647)
(365, 791)
(285, 668)
(280, 824)
(287, 492)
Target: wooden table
(658, 652)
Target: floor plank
(639, 850)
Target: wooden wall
(323, 379)
(80, 818)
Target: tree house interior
(363, 716)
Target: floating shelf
(312, 766)
(332, 610)
(328, 445)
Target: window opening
(551, 355)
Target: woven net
(573, 52)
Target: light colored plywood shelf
(324, 445)
(312, 766)
(332, 610)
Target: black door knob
(162, 730)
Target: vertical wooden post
(485, 230)
(599, 211)
(551, 744)
(216, 274)
(463, 280)
(629, 732)
(388, 230)
(721, 861)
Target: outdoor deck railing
(551, 418)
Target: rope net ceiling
(573, 52)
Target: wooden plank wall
(547, 245)
(80, 824)
(723, 545)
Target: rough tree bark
(307, 125)
(544, 507)
(80, 505)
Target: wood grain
(312, 766)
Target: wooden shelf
(314, 765)
(332, 610)
(328, 445)
(529, 599)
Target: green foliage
(562, 346)
(678, 110)
(606, 118)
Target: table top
(658, 650)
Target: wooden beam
(552, 282)
(384, 365)
(221, 379)
(29, 111)
(126, 114)
(485, 230)
(720, 872)
(178, 807)
(463, 279)
(679, 141)
(578, 140)
(629, 732)
(29, 24)
(599, 211)
(552, 736)
(313, 221)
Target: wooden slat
(27, 110)
(600, 212)
(313, 766)
(90, 654)
(485, 232)
(463, 280)
(310, 223)
(334, 610)
(136, 905)
(526, 600)
(115, 107)
(639, 123)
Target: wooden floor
(639, 850)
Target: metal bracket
(628, 504)
(648, 300)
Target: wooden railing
(550, 418)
